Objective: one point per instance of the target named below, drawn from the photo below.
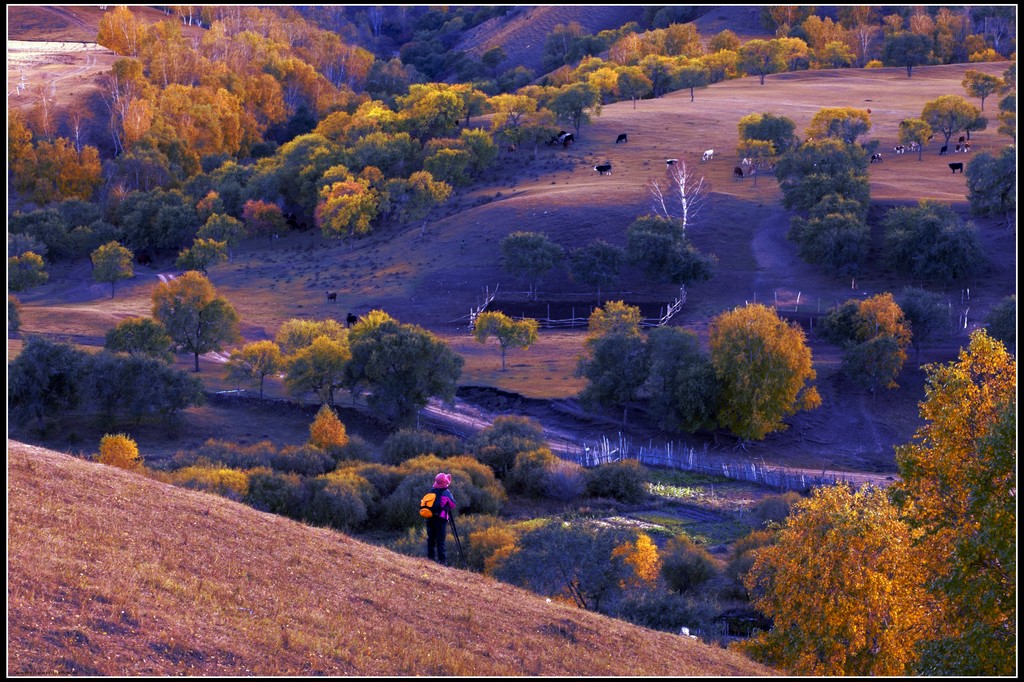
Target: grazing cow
(567, 139)
(957, 167)
(708, 155)
(945, 148)
(620, 138)
(746, 162)
(557, 138)
(332, 296)
(899, 149)
(738, 172)
(604, 169)
(876, 157)
(967, 146)
(914, 146)
(351, 320)
(670, 162)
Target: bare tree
(681, 195)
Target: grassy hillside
(111, 573)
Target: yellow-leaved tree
(958, 485)
(764, 367)
(327, 432)
(843, 583)
(119, 450)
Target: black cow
(945, 148)
(332, 296)
(621, 138)
(568, 139)
(350, 320)
(557, 138)
(957, 167)
(738, 172)
(876, 157)
(604, 169)
(670, 162)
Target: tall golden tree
(764, 367)
(843, 584)
(958, 483)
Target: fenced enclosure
(604, 450)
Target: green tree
(45, 380)
(681, 387)
(693, 74)
(822, 167)
(319, 368)
(254, 362)
(906, 49)
(573, 562)
(764, 368)
(112, 263)
(26, 271)
(202, 254)
(914, 132)
(633, 84)
(950, 114)
(957, 484)
(416, 198)
(530, 255)
(842, 123)
(194, 315)
(660, 247)
(1002, 322)
(597, 264)
(402, 366)
(761, 58)
(141, 336)
(615, 369)
(296, 334)
(223, 228)
(931, 242)
(980, 84)
(780, 131)
(13, 314)
(867, 609)
(576, 104)
(992, 184)
(509, 333)
(834, 235)
(925, 312)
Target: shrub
(482, 536)
(625, 481)
(327, 432)
(685, 565)
(874, 64)
(274, 492)
(666, 612)
(775, 508)
(357, 449)
(529, 474)
(339, 500)
(408, 443)
(229, 483)
(743, 553)
(497, 445)
(307, 460)
(120, 451)
(564, 480)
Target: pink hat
(442, 480)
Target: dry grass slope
(112, 573)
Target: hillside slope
(112, 573)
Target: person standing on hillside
(437, 524)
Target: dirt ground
(435, 279)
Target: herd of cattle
(747, 167)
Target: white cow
(708, 155)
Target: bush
(743, 553)
(625, 481)
(497, 445)
(408, 443)
(666, 612)
(327, 432)
(564, 481)
(339, 500)
(686, 565)
(119, 450)
(274, 492)
(229, 483)
(482, 536)
(356, 450)
(775, 508)
(528, 476)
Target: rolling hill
(112, 573)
